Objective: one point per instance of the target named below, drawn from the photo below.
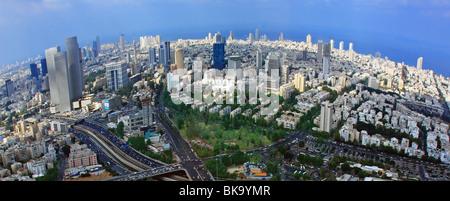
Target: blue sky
(28, 27)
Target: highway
(115, 152)
(189, 160)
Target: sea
(395, 46)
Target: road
(189, 160)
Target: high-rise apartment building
(284, 74)
(179, 58)
(299, 82)
(372, 82)
(256, 35)
(250, 37)
(341, 45)
(147, 110)
(419, 62)
(116, 74)
(326, 117)
(231, 37)
(122, 42)
(281, 37)
(308, 41)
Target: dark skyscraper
(152, 55)
(9, 87)
(164, 53)
(167, 46)
(34, 70)
(44, 67)
(219, 56)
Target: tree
(66, 150)
(119, 130)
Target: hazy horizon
(403, 30)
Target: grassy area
(229, 140)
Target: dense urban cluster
(282, 109)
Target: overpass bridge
(142, 167)
(164, 172)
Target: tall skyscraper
(167, 46)
(122, 42)
(419, 62)
(299, 82)
(96, 46)
(63, 83)
(331, 44)
(250, 37)
(256, 35)
(44, 67)
(308, 41)
(272, 63)
(116, 74)
(162, 58)
(326, 117)
(53, 85)
(326, 59)
(231, 37)
(9, 87)
(350, 46)
(75, 67)
(217, 38)
(179, 58)
(259, 59)
(219, 56)
(281, 37)
(319, 50)
(147, 110)
(284, 74)
(164, 53)
(152, 55)
(341, 45)
(34, 70)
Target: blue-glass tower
(34, 70)
(219, 56)
(44, 67)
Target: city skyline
(276, 99)
(418, 28)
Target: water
(394, 46)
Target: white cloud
(17, 11)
